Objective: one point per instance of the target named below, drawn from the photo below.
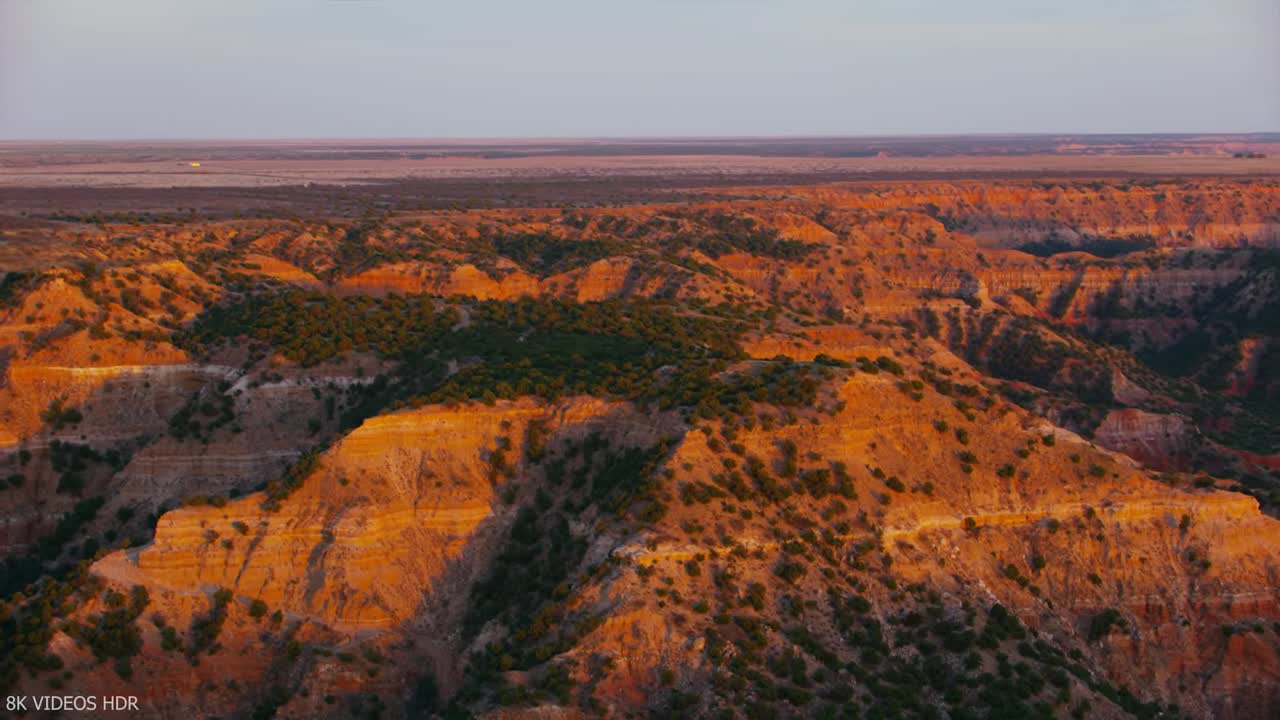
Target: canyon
(928, 447)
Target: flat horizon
(1260, 136)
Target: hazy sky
(530, 68)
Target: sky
(154, 69)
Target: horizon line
(463, 140)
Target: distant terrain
(300, 176)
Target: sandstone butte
(373, 562)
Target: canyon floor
(827, 428)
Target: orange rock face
(382, 519)
(390, 506)
(461, 280)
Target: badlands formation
(966, 449)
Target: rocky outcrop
(119, 402)
(1178, 564)
(373, 530)
(466, 280)
(276, 269)
(1249, 376)
(1164, 442)
(1205, 213)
